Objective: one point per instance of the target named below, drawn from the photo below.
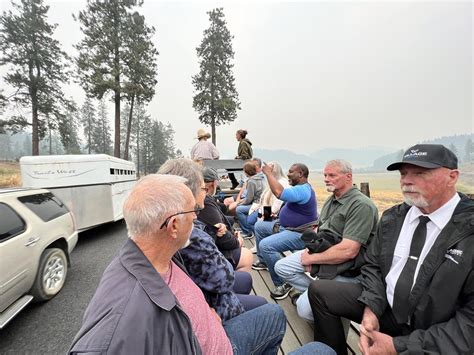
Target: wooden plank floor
(298, 331)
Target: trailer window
(11, 224)
(112, 171)
(46, 206)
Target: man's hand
(221, 229)
(369, 324)
(381, 344)
(267, 169)
(305, 260)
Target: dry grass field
(9, 174)
(384, 187)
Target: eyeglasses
(196, 210)
(205, 189)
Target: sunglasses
(196, 210)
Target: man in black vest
(417, 293)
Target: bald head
(151, 201)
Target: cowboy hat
(202, 133)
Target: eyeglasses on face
(205, 189)
(196, 210)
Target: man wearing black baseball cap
(417, 293)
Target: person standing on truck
(244, 152)
(203, 149)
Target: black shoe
(234, 185)
(281, 292)
(259, 265)
(294, 297)
(247, 236)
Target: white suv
(37, 234)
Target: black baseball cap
(210, 175)
(430, 156)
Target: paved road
(49, 328)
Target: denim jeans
(290, 270)
(272, 246)
(262, 230)
(242, 288)
(258, 331)
(251, 220)
(314, 348)
(242, 212)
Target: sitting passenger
(298, 214)
(146, 303)
(205, 264)
(228, 241)
(255, 186)
(268, 199)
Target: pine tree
(104, 139)
(140, 68)
(106, 27)
(36, 66)
(216, 98)
(89, 124)
(469, 150)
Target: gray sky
(314, 74)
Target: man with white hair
(348, 216)
(147, 304)
(417, 290)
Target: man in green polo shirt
(348, 214)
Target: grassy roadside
(10, 174)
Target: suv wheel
(51, 275)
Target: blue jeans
(242, 212)
(314, 348)
(272, 246)
(290, 270)
(262, 230)
(242, 288)
(251, 220)
(258, 331)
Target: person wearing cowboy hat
(204, 150)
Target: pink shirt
(209, 331)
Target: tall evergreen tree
(104, 139)
(68, 132)
(88, 120)
(36, 65)
(106, 27)
(469, 150)
(140, 68)
(216, 98)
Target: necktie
(405, 280)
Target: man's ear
(173, 227)
(453, 177)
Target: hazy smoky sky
(314, 74)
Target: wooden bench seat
(298, 331)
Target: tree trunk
(117, 124)
(213, 128)
(129, 129)
(34, 114)
(138, 144)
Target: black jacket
(211, 215)
(323, 240)
(442, 300)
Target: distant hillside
(358, 157)
(458, 141)
(286, 158)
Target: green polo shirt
(352, 216)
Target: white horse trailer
(94, 187)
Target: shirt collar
(346, 196)
(441, 216)
(133, 259)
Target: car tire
(51, 275)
